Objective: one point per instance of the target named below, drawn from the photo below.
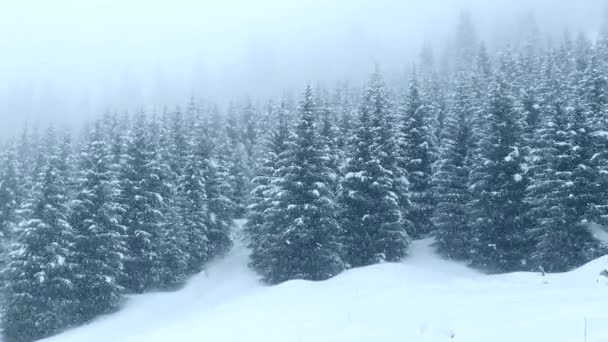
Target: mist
(67, 60)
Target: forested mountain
(499, 155)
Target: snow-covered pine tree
(177, 140)
(416, 157)
(10, 197)
(141, 188)
(431, 84)
(263, 193)
(303, 240)
(374, 229)
(498, 181)
(115, 131)
(232, 158)
(346, 106)
(238, 180)
(592, 99)
(67, 163)
(194, 207)
(26, 155)
(29, 160)
(221, 207)
(99, 239)
(249, 135)
(328, 133)
(39, 296)
(562, 241)
(168, 140)
(451, 179)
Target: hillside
(422, 299)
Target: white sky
(67, 59)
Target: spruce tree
(40, 282)
(451, 179)
(168, 141)
(194, 208)
(10, 197)
(416, 160)
(303, 240)
(99, 239)
(264, 191)
(232, 162)
(329, 139)
(374, 229)
(562, 240)
(143, 213)
(498, 181)
(218, 184)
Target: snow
(599, 232)
(359, 175)
(60, 260)
(601, 134)
(424, 298)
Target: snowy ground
(422, 299)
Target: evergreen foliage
(501, 158)
(371, 216)
(302, 237)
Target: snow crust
(424, 298)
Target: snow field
(424, 298)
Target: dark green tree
(374, 228)
(302, 241)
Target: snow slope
(422, 299)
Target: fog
(66, 60)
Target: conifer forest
(498, 154)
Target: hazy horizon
(69, 59)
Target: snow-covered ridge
(424, 298)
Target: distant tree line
(500, 157)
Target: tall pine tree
(450, 218)
(373, 224)
(416, 160)
(302, 241)
(40, 282)
(498, 181)
(99, 239)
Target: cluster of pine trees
(501, 157)
(134, 204)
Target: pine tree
(194, 208)
(221, 206)
(416, 160)
(10, 197)
(238, 180)
(99, 242)
(249, 130)
(264, 191)
(232, 165)
(168, 141)
(374, 227)
(498, 181)
(562, 241)
(303, 240)
(451, 179)
(39, 296)
(328, 134)
(144, 206)
(346, 105)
